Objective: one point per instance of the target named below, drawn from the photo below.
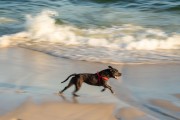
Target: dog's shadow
(73, 99)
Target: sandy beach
(30, 82)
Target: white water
(93, 44)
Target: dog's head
(114, 73)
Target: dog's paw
(60, 93)
(75, 95)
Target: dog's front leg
(109, 87)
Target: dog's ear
(110, 67)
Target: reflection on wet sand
(72, 99)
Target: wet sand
(30, 82)
(177, 95)
(165, 104)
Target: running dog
(97, 79)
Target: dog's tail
(68, 78)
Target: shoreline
(103, 62)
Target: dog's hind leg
(69, 85)
(77, 87)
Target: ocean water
(108, 31)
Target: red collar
(100, 77)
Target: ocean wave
(144, 5)
(166, 6)
(174, 8)
(42, 27)
(93, 44)
(95, 1)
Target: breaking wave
(43, 34)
